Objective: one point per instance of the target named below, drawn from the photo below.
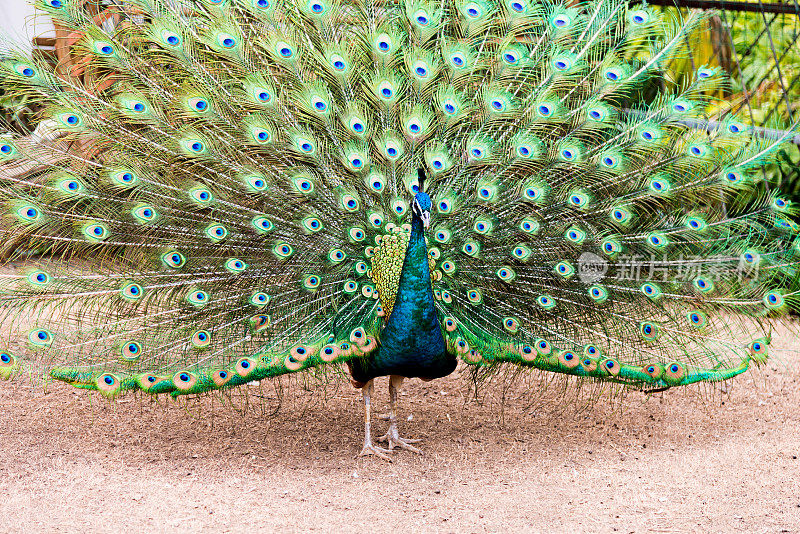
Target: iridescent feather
(237, 199)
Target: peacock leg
(392, 437)
(369, 447)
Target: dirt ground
(524, 458)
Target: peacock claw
(374, 450)
(393, 439)
(370, 449)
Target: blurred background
(758, 44)
(20, 22)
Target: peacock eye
(561, 21)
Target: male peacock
(235, 190)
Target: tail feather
(208, 205)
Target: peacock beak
(426, 219)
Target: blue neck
(414, 312)
(411, 343)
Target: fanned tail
(228, 197)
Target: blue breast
(411, 343)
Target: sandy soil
(695, 459)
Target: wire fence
(765, 61)
(758, 44)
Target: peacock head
(421, 207)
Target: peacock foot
(392, 439)
(371, 449)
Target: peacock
(225, 191)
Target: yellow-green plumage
(386, 264)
